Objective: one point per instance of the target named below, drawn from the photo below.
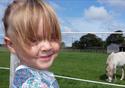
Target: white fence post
(14, 61)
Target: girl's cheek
(33, 50)
(56, 47)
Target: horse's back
(119, 58)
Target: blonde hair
(22, 19)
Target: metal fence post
(14, 61)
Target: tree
(63, 44)
(88, 40)
(117, 38)
(91, 40)
(75, 45)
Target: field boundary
(4, 68)
(78, 79)
(89, 81)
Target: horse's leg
(122, 77)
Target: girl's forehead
(40, 27)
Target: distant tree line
(1, 45)
(91, 40)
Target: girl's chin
(44, 65)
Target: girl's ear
(9, 45)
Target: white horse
(114, 60)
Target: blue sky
(90, 15)
(85, 15)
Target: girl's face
(41, 55)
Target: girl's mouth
(46, 57)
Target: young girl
(32, 33)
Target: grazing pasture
(83, 65)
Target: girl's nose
(45, 46)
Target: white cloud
(82, 25)
(115, 25)
(97, 14)
(91, 21)
(66, 29)
(114, 3)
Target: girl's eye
(34, 42)
(54, 40)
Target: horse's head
(109, 72)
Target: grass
(4, 62)
(81, 65)
(89, 66)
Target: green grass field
(83, 65)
